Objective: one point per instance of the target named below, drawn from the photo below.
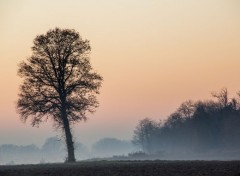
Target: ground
(127, 168)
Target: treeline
(53, 150)
(203, 127)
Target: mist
(196, 130)
(54, 150)
(200, 130)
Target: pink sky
(153, 55)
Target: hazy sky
(152, 54)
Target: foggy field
(127, 168)
(120, 88)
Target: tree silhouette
(144, 134)
(58, 82)
(200, 127)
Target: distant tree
(144, 134)
(52, 145)
(19, 153)
(222, 97)
(186, 109)
(52, 150)
(58, 82)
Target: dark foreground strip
(127, 168)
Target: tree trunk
(68, 135)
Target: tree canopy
(194, 128)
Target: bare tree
(58, 82)
(186, 109)
(144, 134)
(222, 97)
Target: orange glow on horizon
(153, 55)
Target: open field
(127, 168)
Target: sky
(152, 54)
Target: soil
(127, 168)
